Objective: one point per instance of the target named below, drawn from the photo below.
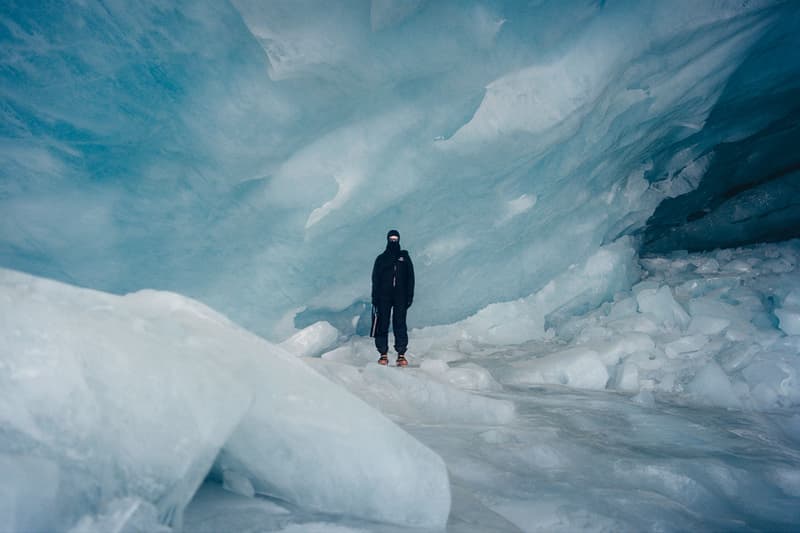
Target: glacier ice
(660, 303)
(312, 340)
(581, 287)
(307, 441)
(232, 151)
(85, 375)
(789, 313)
(123, 515)
(505, 447)
(237, 482)
(252, 155)
(419, 395)
(722, 344)
(713, 384)
(28, 485)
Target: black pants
(380, 326)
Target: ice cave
(601, 199)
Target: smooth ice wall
(254, 154)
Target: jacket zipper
(394, 277)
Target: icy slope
(116, 407)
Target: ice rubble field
(672, 407)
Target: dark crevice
(742, 187)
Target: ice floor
(672, 408)
(579, 460)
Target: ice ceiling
(254, 154)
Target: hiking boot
(383, 360)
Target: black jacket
(393, 279)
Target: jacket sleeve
(410, 297)
(375, 280)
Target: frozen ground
(673, 408)
(584, 461)
(670, 407)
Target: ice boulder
(108, 397)
(627, 378)
(85, 375)
(611, 351)
(682, 346)
(661, 304)
(310, 442)
(773, 377)
(707, 325)
(789, 320)
(789, 314)
(311, 341)
(578, 367)
(792, 299)
(714, 387)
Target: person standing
(392, 295)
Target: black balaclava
(393, 247)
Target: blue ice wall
(750, 190)
(254, 154)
